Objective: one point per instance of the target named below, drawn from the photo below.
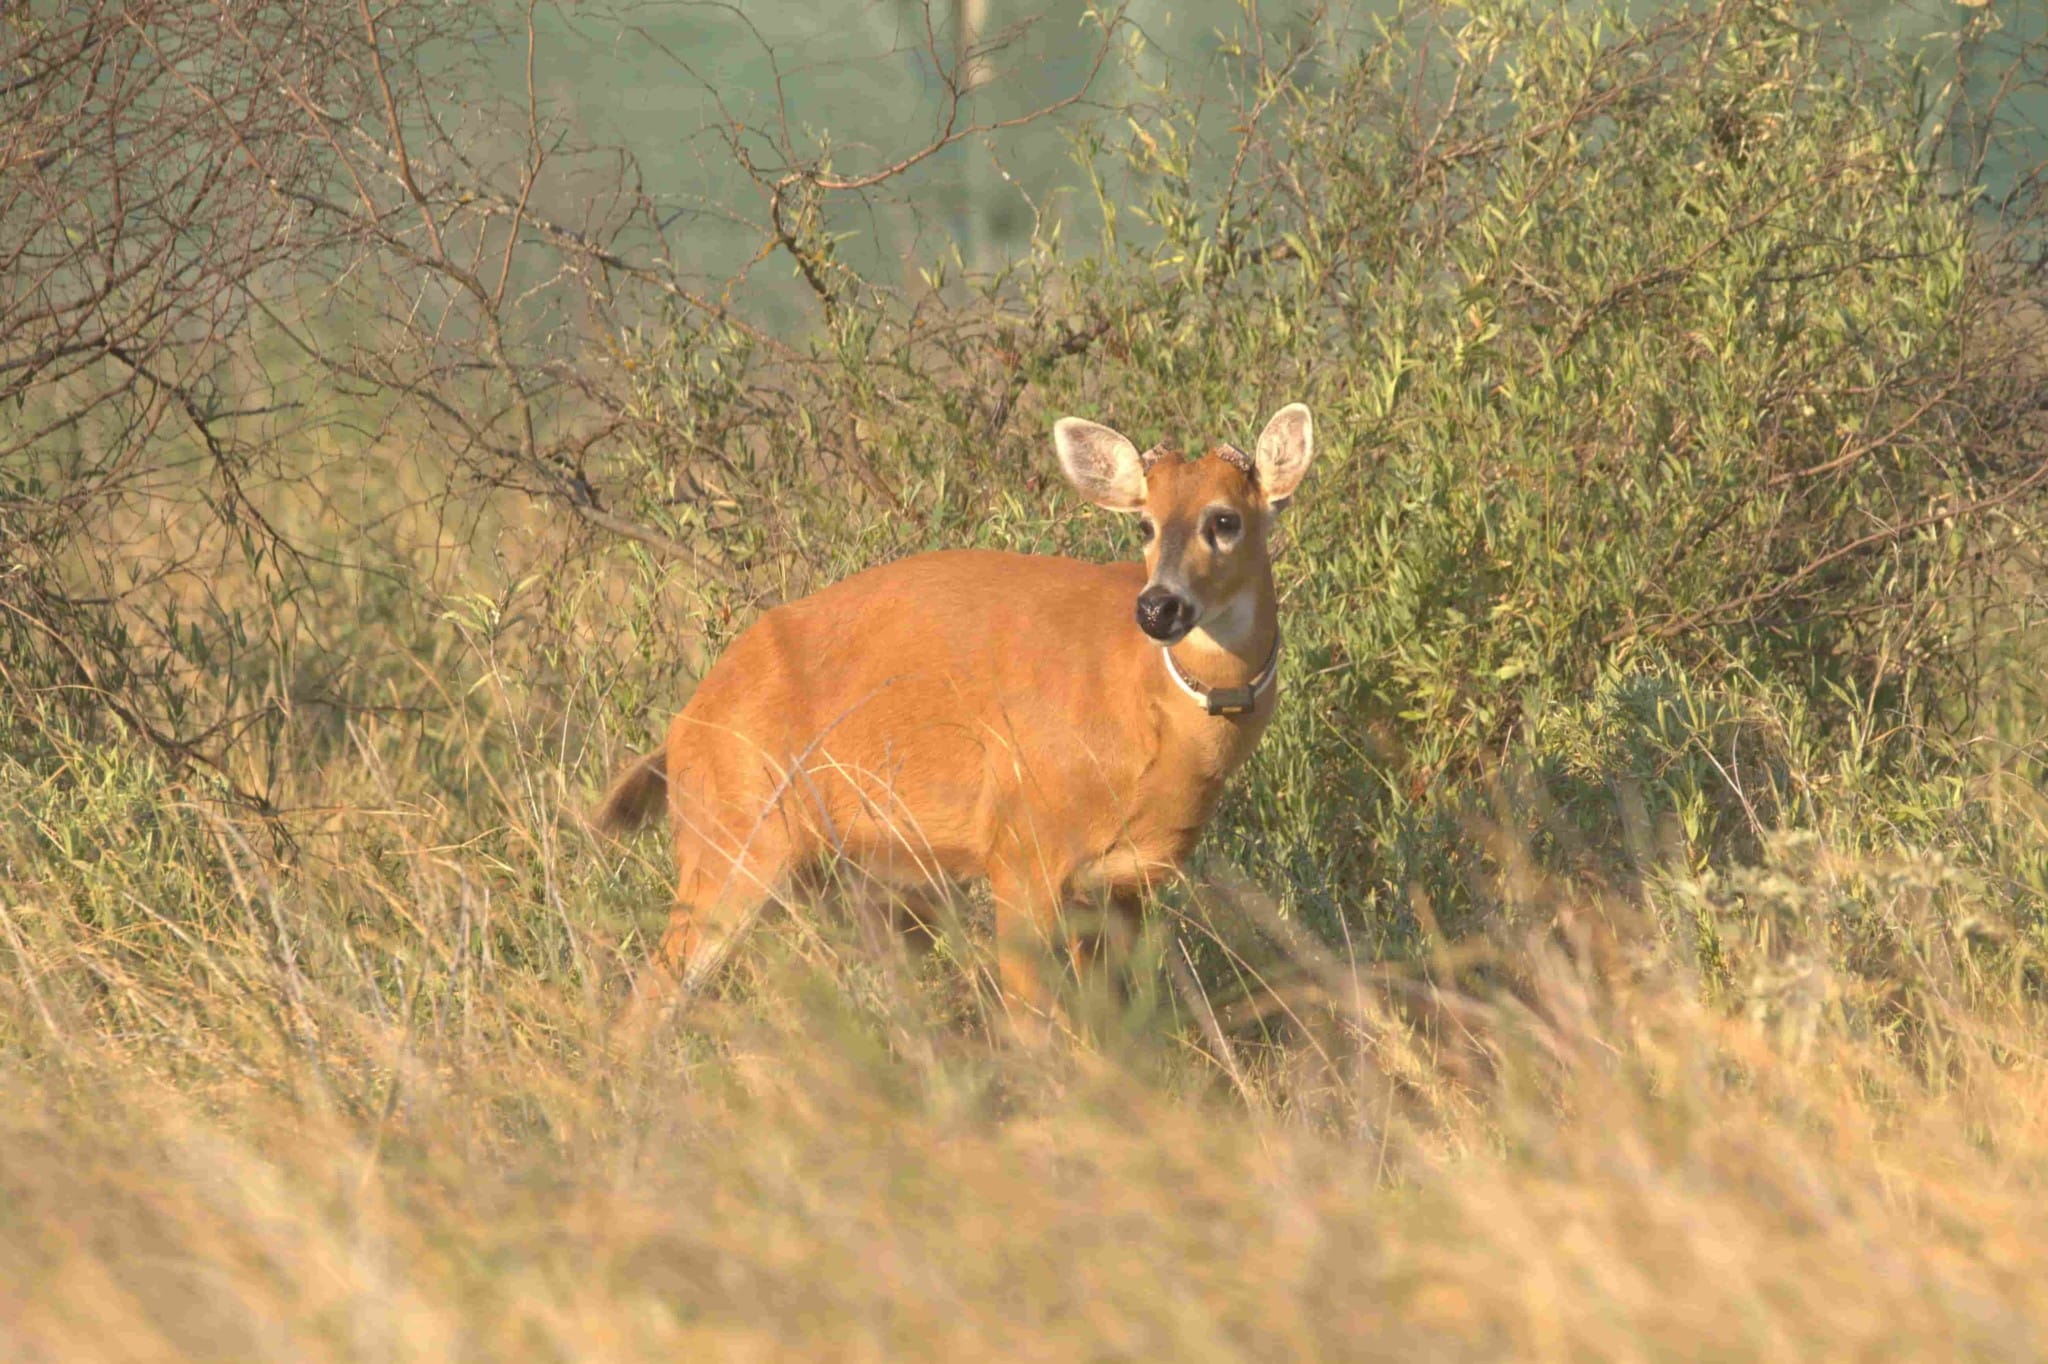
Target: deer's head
(1207, 521)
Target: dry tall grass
(360, 1098)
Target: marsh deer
(1060, 728)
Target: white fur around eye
(1223, 526)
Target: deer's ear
(1102, 465)
(1286, 448)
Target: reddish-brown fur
(969, 714)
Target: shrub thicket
(1675, 412)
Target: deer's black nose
(1164, 614)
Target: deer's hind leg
(725, 877)
(722, 884)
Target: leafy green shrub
(1662, 395)
(1678, 451)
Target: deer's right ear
(1101, 464)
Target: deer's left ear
(1286, 447)
(1103, 465)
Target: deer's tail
(637, 796)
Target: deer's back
(941, 703)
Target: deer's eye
(1146, 529)
(1224, 526)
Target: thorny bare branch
(232, 236)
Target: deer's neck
(1233, 645)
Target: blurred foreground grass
(362, 1098)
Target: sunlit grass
(365, 1096)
